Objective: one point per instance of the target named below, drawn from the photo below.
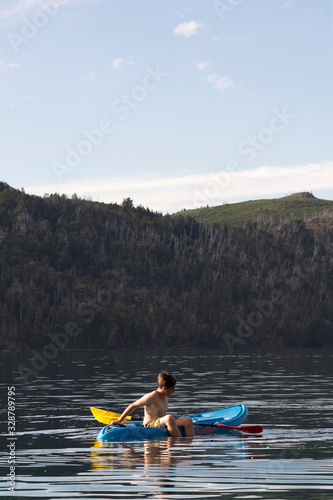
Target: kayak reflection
(106, 457)
(169, 466)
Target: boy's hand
(115, 422)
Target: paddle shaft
(115, 416)
(254, 429)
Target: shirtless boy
(156, 405)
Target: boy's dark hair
(166, 380)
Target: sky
(173, 103)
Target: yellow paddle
(106, 417)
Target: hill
(296, 206)
(81, 274)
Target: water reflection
(208, 468)
(158, 466)
(288, 393)
(158, 454)
(169, 451)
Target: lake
(56, 455)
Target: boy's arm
(145, 400)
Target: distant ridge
(305, 194)
(302, 206)
(78, 274)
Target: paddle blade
(252, 429)
(249, 429)
(106, 417)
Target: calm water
(289, 393)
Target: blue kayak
(134, 431)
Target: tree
(127, 204)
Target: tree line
(129, 277)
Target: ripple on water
(288, 393)
(169, 469)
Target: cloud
(5, 65)
(118, 63)
(16, 9)
(187, 29)
(290, 4)
(201, 65)
(170, 194)
(78, 3)
(221, 83)
(236, 38)
(218, 82)
(89, 77)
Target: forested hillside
(94, 275)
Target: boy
(156, 405)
